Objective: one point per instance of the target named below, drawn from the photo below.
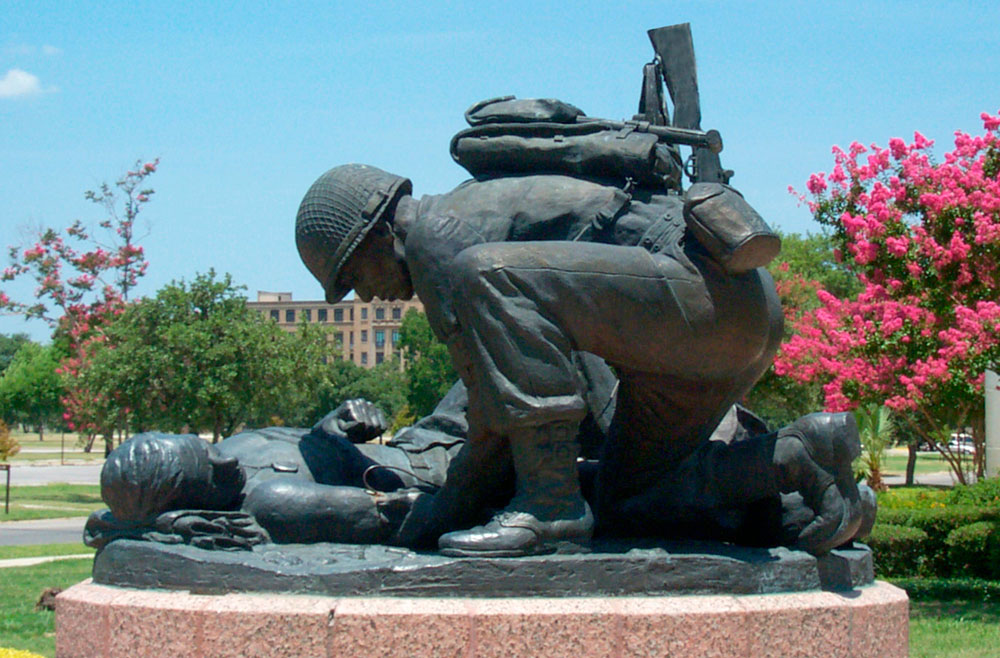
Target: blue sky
(247, 103)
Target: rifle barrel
(710, 139)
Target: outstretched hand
(213, 530)
(359, 420)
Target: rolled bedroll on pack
(589, 150)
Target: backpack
(510, 136)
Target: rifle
(710, 140)
(675, 61)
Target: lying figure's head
(344, 235)
(152, 473)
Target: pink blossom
(816, 183)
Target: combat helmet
(337, 213)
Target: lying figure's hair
(152, 473)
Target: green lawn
(52, 501)
(23, 627)
(927, 462)
(54, 441)
(956, 618)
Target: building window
(364, 335)
(321, 315)
(380, 313)
(275, 315)
(290, 315)
(352, 338)
(351, 313)
(338, 315)
(364, 312)
(364, 358)
(397, 313)
(338, 339)
(307, 315)
(395, 337)
(379, 338)
(379, 358)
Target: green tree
(429, 370)
(31, 388)
(806, 265)
(9, 345)
(877, 430)
(196, 358)
(385, 385)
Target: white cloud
(17, 83)
(51, 51)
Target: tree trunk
(911, 463)
(109, 443)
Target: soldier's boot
(548, 512)
(813, 457)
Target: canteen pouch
(726, 225)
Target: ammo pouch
(540, 136)
(726, 225)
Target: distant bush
(8, 444)
(973, 550)
(912, 498)
(984, 493)
(937, 524)
(898, 550)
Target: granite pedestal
(98, 620)
(653, 599)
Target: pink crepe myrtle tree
(923, 239)
(83, 280)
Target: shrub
(912, 498)
(898, 550)
(973, 550)
(8, 444)
(949, 589)
(985, 493)
(938, 523)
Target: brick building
(365, 333)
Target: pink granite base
(96, 620)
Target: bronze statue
(604, 322)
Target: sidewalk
(32, 561)
(42, 531)
(938, 479)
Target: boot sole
(562, 547)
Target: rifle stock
(674, 47)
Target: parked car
(962, 443)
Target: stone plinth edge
(99, 620)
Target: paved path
(32, 561)
(43, 531)
(941, 479)
(22, 474)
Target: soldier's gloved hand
(213, 530)
(359, 420)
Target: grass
(23, 627)
(927, 462)
(54, 441)
(43, 550)
(953, 617)
(52, 501)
